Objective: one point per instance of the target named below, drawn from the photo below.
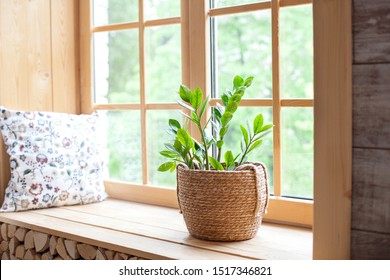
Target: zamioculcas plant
(196, 155)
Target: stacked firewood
(18, 243)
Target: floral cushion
(54, 159)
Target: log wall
(18, 243)
(370, 238)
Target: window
(138, 52)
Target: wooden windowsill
(156, 232)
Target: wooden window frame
(332, 114)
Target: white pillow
(54, 159)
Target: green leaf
(203, 107)
(226, 117)
(258, 123)
(255, 145)
(238, 81)
(188, 117)
(169, 154)
(173, 168)
(225, 99)
(243, 146)
(181, 103)
(185, 139)
(27, 171)
(170, 131)
(196, 98)
(220, 144)
(236, 98)
(174, 124)
(229, 160)
(231, 107)
(262, 134)
(266, 127)
(166, 166)
(248, 81)
(223, 131)
(245, 134)
(177, 146)
(215, 163)
(185, 93)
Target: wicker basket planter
(223, 205)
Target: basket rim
(213, 171)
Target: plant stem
(220, 152)
(246, 150)
(207, 167)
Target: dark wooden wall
(371, 130)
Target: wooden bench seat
(155, 232)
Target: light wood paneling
(371, 105)
(332, 128)
(370, 245)
(371, 27)
(371, 190)
(38, 60)
(65, 55)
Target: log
(52, 245)
(11, 230)
(38, 257)
(20, 234)
(86, 251)
(29, 240)
(46, 256)
(12, 258)
(124, 256)
(41, 241)
(19, 252)
(4, 246)
(30, 254)
(61, 250)
(117, 257)
(71, 248)
(58, 258)
(4, 232)
(5, 256)
(13, 244)
(100, 254)
(109, 254)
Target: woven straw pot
(223, 205)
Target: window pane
(163, 63)
(116, 67)
(123, 141)
(155, 9)
(296, 52)
(243, 47)
(157, 122)
(297, 152)
(224, 3)
(114, 11)
(232, 140)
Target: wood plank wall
(38, 60)
(370, 238)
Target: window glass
(157, 121)
(297, 152)
(123, 141)
(243, 46)
(296, 52)
(162, 63)
(116, 67)
(156, 9)
(114, 11)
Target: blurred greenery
(243, 47)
